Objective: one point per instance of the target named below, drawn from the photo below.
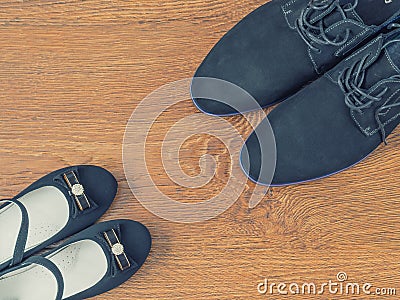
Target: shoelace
(358, 98)
(314, 30)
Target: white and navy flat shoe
(92, 262)
(51, 209)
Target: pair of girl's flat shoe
(94, 261)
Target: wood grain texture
(72, 72)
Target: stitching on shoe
(388, 100)
(352, 12)
(356, 16)
(391, 62)
(365, 29)
(330, 78)
(371, 133)
(343, 22)
(316, 17)
(288, 12)
(352, 40)
(288, 3)
(364, 48)
(367, 131)
(389, 109)
(359, 23)
(363, 32)
(313, 61)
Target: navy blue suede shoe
(90, 263)
(285, 44)
(336, 121)
(53, 208)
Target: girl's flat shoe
(51, 209)
(92, 262)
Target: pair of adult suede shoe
(336, 63)
(95, 260)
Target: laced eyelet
(358, 98)
(313, 30)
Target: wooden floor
(71, 74)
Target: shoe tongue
(393, 51)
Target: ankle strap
(22, 238)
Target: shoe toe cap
(258, 155)
(100, 185)
(136, 239)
